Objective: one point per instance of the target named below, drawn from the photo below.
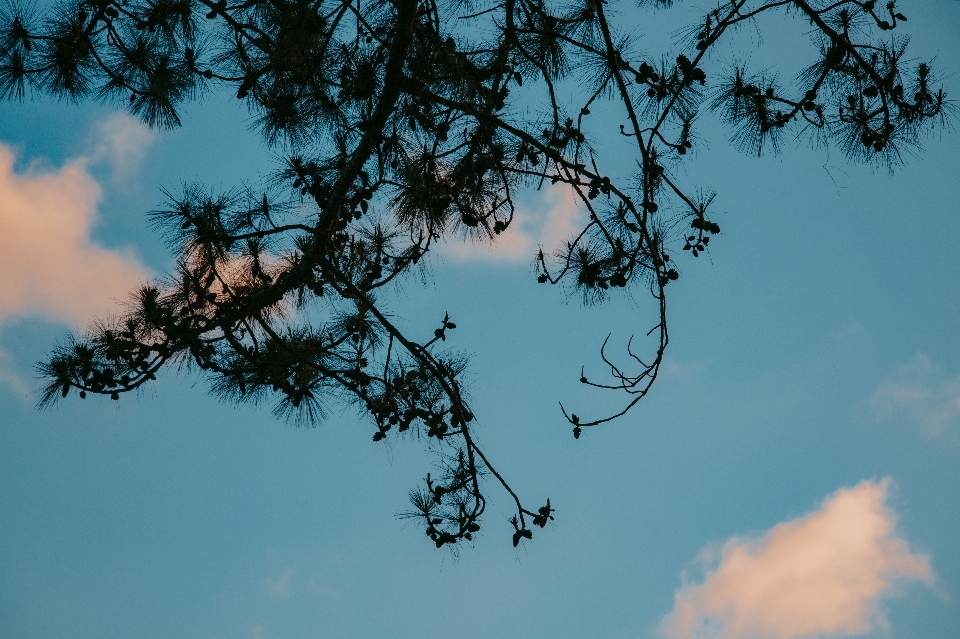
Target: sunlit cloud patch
(49, 265)
(545, 219)
(825, 574)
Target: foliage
(406, 121)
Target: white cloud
(921, 392)
(121, 142)
(545, 220)
(824, 574)
(49, 266)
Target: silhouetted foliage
(406, 121)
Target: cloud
(919, 391)
(684, 370)
(546, 220)
(280, 587)
(10, 378)
(121, 142)
(826, 573)
(49, 266)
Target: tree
(402, 122)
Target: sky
(795, 472)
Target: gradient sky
(795, 472)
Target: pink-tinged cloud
(49, 266)
(824, 574)
(546, 219)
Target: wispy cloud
(921, 392)
(824, 574)
(49, 265)
(546, 219)
(120, 142)
(10, 378)
(683, 370)
(280, 587)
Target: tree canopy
(402, 123)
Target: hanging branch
(406, 121)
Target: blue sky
(808, 412)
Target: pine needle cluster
(404, 122)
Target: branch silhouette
(402, 122)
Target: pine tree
(403, 122)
